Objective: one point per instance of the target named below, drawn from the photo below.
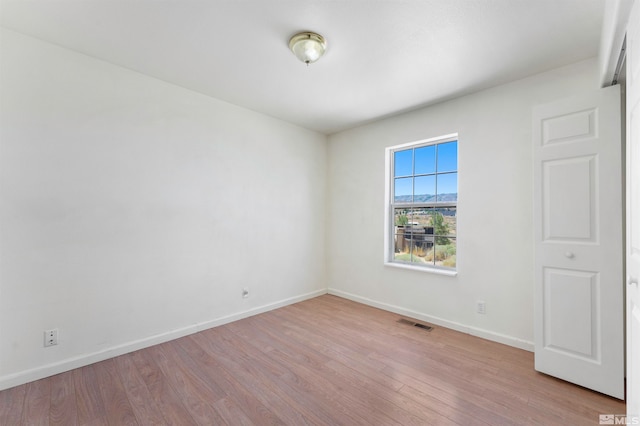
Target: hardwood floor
(325, 361)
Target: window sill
(422, 269)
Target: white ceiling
(383, 56)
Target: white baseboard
(474, 331)
(26, 376)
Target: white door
(578, 229)
(633, 213)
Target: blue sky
(430, 161)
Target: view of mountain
(426, 198)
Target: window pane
(425, 159)
(447, 187)
(401, 248)
(429, 220)
(419, 252)
(448, 225)
(402, 251)
(439, 225)
(448, 157)
(445, 254)
(425, 189)
(403, 163)
(401, 217)
(429, 251)
(401, 244)
(422, 217)
(403, 190)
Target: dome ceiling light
(308, 46)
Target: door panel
(578, 241)
(572, 127)
(571, 332)
(569, 214)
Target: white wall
(134, 211)
(495, 244)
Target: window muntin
(423, 203)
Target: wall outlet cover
(51, 337)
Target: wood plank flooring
(325, 361)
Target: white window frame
(389, 225)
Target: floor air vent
(415, 324)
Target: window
(422, 203)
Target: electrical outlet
(51, 337)
(245, 293)
(481, 307)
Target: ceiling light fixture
(308, 46)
